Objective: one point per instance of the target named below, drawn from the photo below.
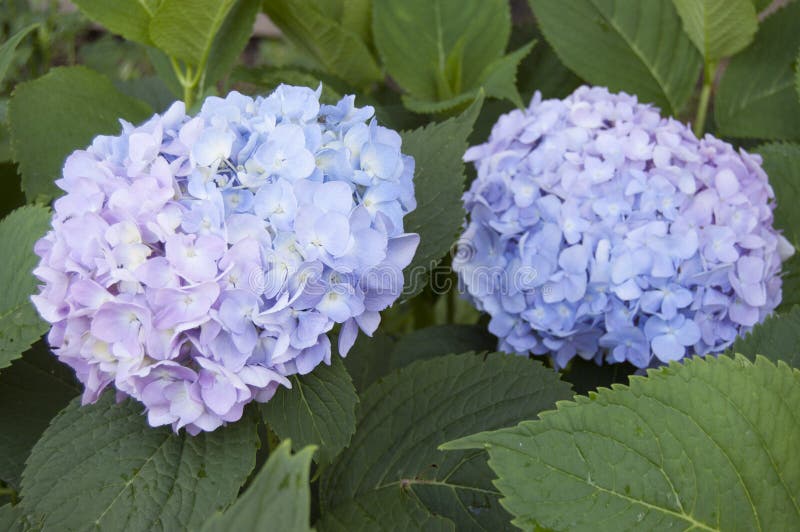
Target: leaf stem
(709, 73)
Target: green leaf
(279, 497)
(185, 29)
(706, 445)
(776, 338)
(625, 45)
(58, 113)
(782, 164)
(130, 18)
(7, 48)
(445, 31)
(20, 325)
(102, 466)
(319, 409)
(718, 28)
(357, 17)
(32, 391)
(797, 74)
(756, 96)
(407, 414)
(761, 5)
(382, 511)
(368, 359)
(437, 149)
(231, 39)
(339, 51)
(500, 78)
(267, 79)
(10, 518)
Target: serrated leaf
(131, 18)
(231, 39)
(279, 497)
(102, 466)
(707, 445)
(756, 97)
(62, 111)
(500, 77)
(407, 414)
(7, 48)
(32, 391)
(185, 29)
(625, 45)
(718, 28)
(339, 51)
(776, 338)
(319, 409)
(20, 325)
(439, 177)
(444, 32)
(383, 511)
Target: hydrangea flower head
(597, 228)
(195, 263)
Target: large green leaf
(756, 96)
(383, 511)
(777, 338)
(625, 45)
(454, 42)
(185, 29)
(20, 325)
(231, 39)
(319, 409)
(10, 517)
(437, 149)
(405, 415)
(102, 466)
(782, 164)
(719, 28)
(339, 51)
(368, 359)
(58, 113)
(7, 48)
(32, 391)
(709, 444)
(129, 18)
(279, 497)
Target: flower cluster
(622, 236)
(195, 263)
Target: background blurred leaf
(428, 403)
(756, 96)
(129, 18)
(7, 49)
(319, 409)
(719, 28)
(58, 113)
(231, 39)
(185, 29)
(339, 51)
(267, 79)
(777, 338)
(101, 465)
(383, 511)
(625, 45)
(20, 325)
(279, 497)
(10, 518)
(32, 391)
(458, 48)
(438, 183)
(705, 444)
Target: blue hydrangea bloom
(597, 228)
(195, 263)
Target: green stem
(709, 73)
